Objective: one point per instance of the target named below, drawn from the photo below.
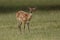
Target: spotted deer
(24, 17)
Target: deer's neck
(30, 13)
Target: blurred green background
(24, 4)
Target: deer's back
(23, 16)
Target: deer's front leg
(28, 26)
(19, 25)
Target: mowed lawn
(45, 25)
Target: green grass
(45, 25)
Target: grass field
(45, 25)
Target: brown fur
(23, 17)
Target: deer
(24, 18)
